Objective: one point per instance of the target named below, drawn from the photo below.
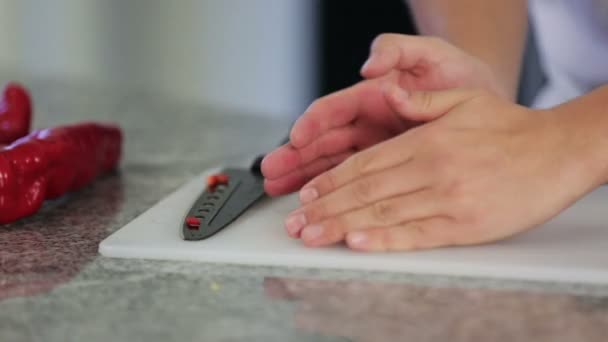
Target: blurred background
(266, 57)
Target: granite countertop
(55, 287)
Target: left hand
(483, 170)
(337, 125)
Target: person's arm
(492, 30)
(586, 120)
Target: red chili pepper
(15, 113)
(49, 163)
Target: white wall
(255, 55)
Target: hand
(483, 170)
(350, 120)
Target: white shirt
(572, 37)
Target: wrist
(493, 81)
(503, 83)
(584, 124)
(503, 88)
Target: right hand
(352, 119)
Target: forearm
(585, 120)
(491, 30)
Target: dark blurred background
(346, 29)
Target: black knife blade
(219, 206)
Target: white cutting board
(571, 248)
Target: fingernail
(308, 195)
(312, 232)
(357, 240)
(294, 223)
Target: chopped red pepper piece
(193, 222)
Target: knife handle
(256, 165)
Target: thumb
(425, 105)
(396, 51)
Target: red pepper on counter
(15, 113)
(49, 163)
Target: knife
(228, 194)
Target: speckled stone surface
(55, 287)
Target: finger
(286, 158)
(384, 213)
(403, 52)
(421, 104)
(425, 105)
(397, 181)
(415, 235)
(294, 180)
(336, 110)
(384, 155)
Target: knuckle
(423, 100)
(330, 181)
(384, 212)
(419, 236)
(361, 164)
(441, 168)
(394, 241)
(315, 213)
(456, 195)
(456, 192)
(382, 40)
(424, 236)
(464, 206)
(325, 183)
(362, 191)
(335, 229)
